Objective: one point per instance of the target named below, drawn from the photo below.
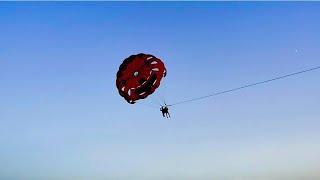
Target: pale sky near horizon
(61, 116)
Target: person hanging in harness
(165, 111)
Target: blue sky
(62, 117)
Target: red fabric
(150, 72)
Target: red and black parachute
(139, 76)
